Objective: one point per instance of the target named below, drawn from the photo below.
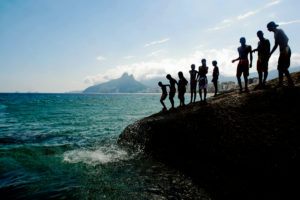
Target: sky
(69, 45)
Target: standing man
(215, 76)
(243, 66)
(193, 82)
(263, 50)
(172, 89)
(202, 79)
(285, 53)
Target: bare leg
(246, 83)
(240, 82)
(288, 76)
(265, 77)
(260, 78)
(216, 87)
(200, 93)
(280, 77)
(172, 102)
(205, 92)
(162, 102)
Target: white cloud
(289, 22)
(227, 21)
(248, 14)
(128, 57)
(152, 69)
(272, 3)
(157, 53)
(100, 58)
(216, 28)
(157, 42)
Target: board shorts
(262, 64)
(284, 59)
(243, 68)
(172, 92)
(202, 82)
(193, 84)
(163, 96)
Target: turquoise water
(64, 146)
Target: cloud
(157, 53)
(152, 69)
(216, 28)
(157, 42)
(248, 14)
(100, 58)
(272, 4)
(128, 57)
(227, 21)
(289, 22)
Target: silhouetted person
(163, 95)
(215, 76)
(172, 89)
(243, 66)
(181, 88)
(263, 49)
(285, 53)
(193, 82)
(202, 79)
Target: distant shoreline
(87, 93)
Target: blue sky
(62, 45)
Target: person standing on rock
(202, 79)
(263, 50)
(181, 88)
(284, 60)
(215, 76)
(243, 66)
(163, 95)
(172, 89)
(193, 83)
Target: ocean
(64, 146)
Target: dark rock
(238, 146)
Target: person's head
(203, 61)
(214, 63)
(243, 41)
(168, 76)
(193, 66)
(160, 83)
(180, 74)
(271, 26)
(260, 34)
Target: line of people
(244, 51)
(195, 76)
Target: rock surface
(237, 146)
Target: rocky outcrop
(237, 146)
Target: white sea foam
(101, 155)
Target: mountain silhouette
(125, 84)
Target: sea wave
(101, 155)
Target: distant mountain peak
(126, 75)
(125, 84)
